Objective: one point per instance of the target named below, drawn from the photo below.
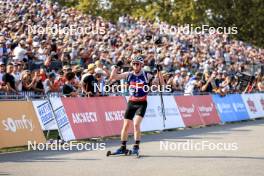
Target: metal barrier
(30, 95)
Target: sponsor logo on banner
(15, 124)
(206, 111)
(151, 113)
(239, 107)
(114, 116)
(45, 114)
(19, 126)
(251, 105)
(62, 118)
(94, 117)
(187, 111)
(85, 117)
(224, 108)
(262, 103)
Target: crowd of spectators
(45, 61)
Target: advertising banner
(173, 115)
(45, 115)
(206, 109)
(96, 116)
(189, 113)
(153, 119)
(225, 108)
(19, 126)
(254, 105)
(112, 111)
(62, 119)
(239, 107)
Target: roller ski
(119, 152)
(135, 151)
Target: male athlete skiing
(137, 103)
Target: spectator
(9, 80)
(68, 89)
(88, 81)
(49, 85)
(260, 85)
(193, 85)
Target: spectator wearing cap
(88, 81)
(100, 66)
(193, 85)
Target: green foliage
(247, 16)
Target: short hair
(69, 76)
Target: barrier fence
(81, 118)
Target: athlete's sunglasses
(136, 64)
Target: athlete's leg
(126, 125)
(137, 123)
(128, 121)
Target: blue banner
(225, 108)
(239, 107)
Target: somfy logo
(16, 124)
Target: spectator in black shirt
(209, 82)
(9, 80)
(68, 89)
(88, 81)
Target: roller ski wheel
(135, 152)
(118, 152)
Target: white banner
(153, 119)
(173, 116)
(253, 104)
(62, 119)
(45, 115)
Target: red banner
(189, 113)
(94, 117)
(206, 109)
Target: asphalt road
(241, 152)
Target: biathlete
(137, 103)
